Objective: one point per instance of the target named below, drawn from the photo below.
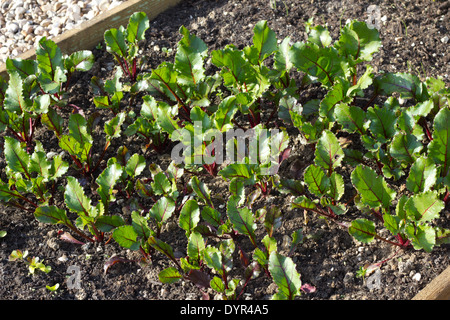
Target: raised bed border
(437, 289)
(90, 33)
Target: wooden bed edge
(437, 289)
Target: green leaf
(114, 86)
(351, 118)
(14, 99)
(304, 202)
(169, 275)
(135, 165)
(264, 43)
(115, 42)
(316, 179)
(80, 61)
(237, 170)
(113, 126)
(48, 56)
(291, 111)
(362, 230)
(422, 109)
(320, 36)
(285, 276)
(359, 41)
(23, 67)
(422, 175)
(405, 147)
(162, 209)
(161, 184)
(337, 188)
(195, 247)
(41, 104)
(106, 181)
(439, 147)
(137, 26)
(78, 142)
(241, 218)
(297, 238)
(50, 65)
(162, 247)
(17, 158)
(392, 223)
(353, 157)
(407, 85)
(211, 216)
(323, 63)
(189, 58)
(272, 219)
(363, 83)
(17, 254)
(334, 96)
(165, 118)
(6, 194)
(235, 69)
(424, 207)
(217, 284)
(213, 259)
(382, 123)
(53, 121)
(58, 167)
(400, 207)
(40, 164)
(227, 248)
(149, 107)
(421, 236)
(75, 198)
(78, 129)
(140, 225)
(126, 237)
(51, 214)
(164, 80)
(281, 57)
(236, 187)
(201, 190)
(108, 223)
(224, 115)
(329, 153)
(294, 187)
(189, 216)
(372, 187)
(52, 288)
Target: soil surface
(413, 36)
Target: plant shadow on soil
(329, 257)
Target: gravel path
(24, 22)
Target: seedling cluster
(402, 140)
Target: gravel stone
(22, 23)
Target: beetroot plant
(123, 42)
(397, 177)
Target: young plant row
(196, 100)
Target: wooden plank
(438, 289)
(90, 33)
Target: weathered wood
(438, 289)
(90, 33)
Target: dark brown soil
(329, 258)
